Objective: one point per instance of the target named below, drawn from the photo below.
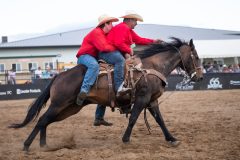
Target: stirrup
(123, 91)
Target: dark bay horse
(63, 89)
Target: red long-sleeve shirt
(122, 37)
(95, 42)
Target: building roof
(75, 37)
(210, 43)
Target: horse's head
(190, 61)
(164, 57)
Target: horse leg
(155, 112)
(65, 113)
(43, 142)
(41, 126)
(30, 138)
(136, 110)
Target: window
(17, 67)
(32, 66)
(50, 64)
(2, 68)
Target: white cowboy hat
(132, 14)
(105, 18)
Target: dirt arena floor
(206, 122)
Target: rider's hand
(131, 52)
(158, 41)
(127, 56)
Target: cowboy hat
(134, 15)
(105, 18)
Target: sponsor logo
(214, 83)
(184, 87)
(5, 93)
(19, 91)
(9, 92)
(235, 83)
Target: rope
(146, 121)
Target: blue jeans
(115, 58)
(100, 112)
(92, 71)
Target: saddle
(132, 66)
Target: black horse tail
(36, 106)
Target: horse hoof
(174, 143)
(26, 148)
(125, 140)
(44, 148)
(43, 145)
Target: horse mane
(153, 49)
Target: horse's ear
(191, 43)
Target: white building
(56, 49)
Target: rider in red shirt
(94, 43)
(122, 36)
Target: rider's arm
(139, 40)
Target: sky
(22, 18)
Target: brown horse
(62, 90)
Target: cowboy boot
(80, 98)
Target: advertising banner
(211, 81)
(21, 91)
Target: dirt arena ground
(206, 122)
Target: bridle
(196, 67)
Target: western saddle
(133, 66)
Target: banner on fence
(22, 91)
(213, 81)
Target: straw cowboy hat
(105, 18)
(134, 15)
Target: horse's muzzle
(197, 77)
